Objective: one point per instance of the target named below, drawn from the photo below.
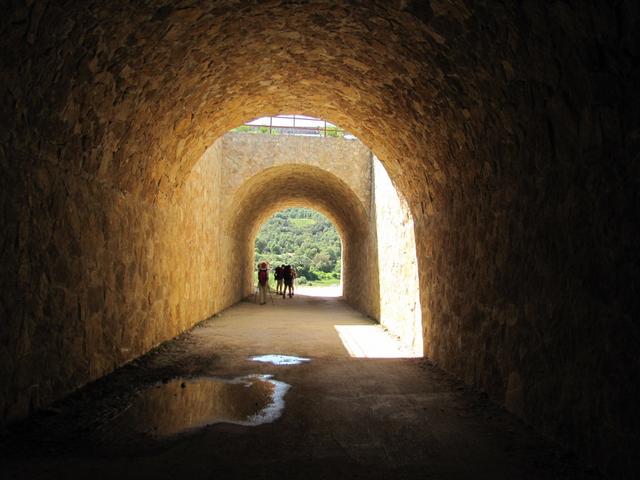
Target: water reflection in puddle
(280, 359)
(185, 404)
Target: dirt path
(344, 416)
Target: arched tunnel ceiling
(173, 77)
(510, 127)
(296, 185)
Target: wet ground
(183, 405)
(226, 400)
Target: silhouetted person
(263, 282)
(279, 276)
(288, 281)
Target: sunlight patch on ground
(333, 291)
(371, 341)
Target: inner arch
(293, 185)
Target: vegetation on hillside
(305, 239)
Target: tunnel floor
(343, 416)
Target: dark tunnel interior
(512, 129)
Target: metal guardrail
(294, 125)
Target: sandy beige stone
(510, 128)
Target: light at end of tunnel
(371, 341)
(330, 291)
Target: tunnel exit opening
(307, 241)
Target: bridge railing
(300, 125)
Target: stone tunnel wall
(398, 281)
(511, 128)
(92, 288)
(246, 155)
(524, 240)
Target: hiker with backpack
(278, 276)
(288, 275)
(263, 282)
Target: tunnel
(511, 129)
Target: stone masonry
(511, 130)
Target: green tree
(322, 262)
(304, 238)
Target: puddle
(280, 359)
(186, 404)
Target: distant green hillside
(301, 222)
(305, 239)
